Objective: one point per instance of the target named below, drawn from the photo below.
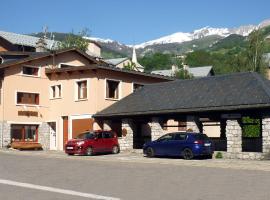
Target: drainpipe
(2, 124)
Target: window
(107, 135)
(27, 98)
(112, 89)
(166, 137)
(136, 86)
(32, 71)
(82, 89)
(56, 91)
(180, 136)
(27, 133)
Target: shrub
(219, 155)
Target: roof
(25, 40)
(200, 71)
(195, 71)
(116, 61)
(100, 64)
(38, 55)
(214, 93)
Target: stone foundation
(44, 135)
(5, 130)
(126, 142)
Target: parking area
(136, 156)
(28, 175)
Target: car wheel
(187, 154)
(70, 154)
(89, 151)
(150, 152)
(115, 150)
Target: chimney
(41, 45)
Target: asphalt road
(25, 177)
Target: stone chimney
(41, 45)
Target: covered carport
(236, 106)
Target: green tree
(183, 74)
(255, 60)
(199, 58)
(78, 41)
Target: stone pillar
(5, 134)
(234, 138)
(126, 142)
(156, 128)
(44, 135)
(107, 125)
(193, 124)
(266, 135)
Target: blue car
(185, 144)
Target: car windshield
(88, 135)
(201, 137)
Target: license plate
(207, 144)
(69, 147)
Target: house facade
(49, 98)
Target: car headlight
(80, 143)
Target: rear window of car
(88, 135)
(201, 137)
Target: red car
(89, 143)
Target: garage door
(81, 125)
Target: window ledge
(78, 100)
(33, 76)
(112, 99)
(55, 98)
(28, 105)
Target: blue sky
(127, 21)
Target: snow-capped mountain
(198, 34)
(180, 42)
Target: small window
(82, 89)
(27, 98)
(136, 86)
(112, 89)
(56, 91)
(32, 71)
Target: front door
(52, 135)
(65, 130)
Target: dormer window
(30, 71)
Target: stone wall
(193, 124)
(266, 134)
(156, 129)
(5, 130)
(44, 135)
(126, 142)
(234, 138)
